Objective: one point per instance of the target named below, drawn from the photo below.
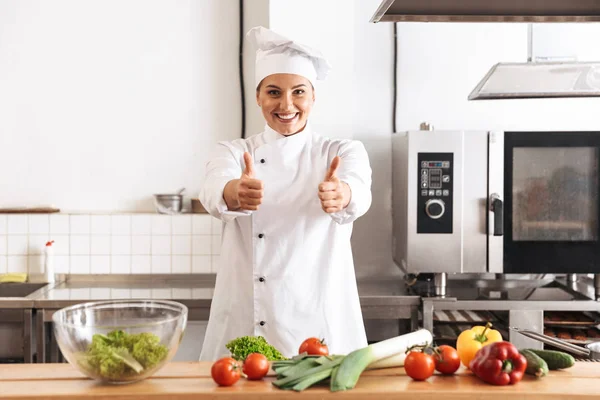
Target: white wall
(373, 110)
(105, 102)
(573, 41)
(440, 63)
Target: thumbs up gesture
(249, 189)
(245, 193)
(334, 195)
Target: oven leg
(428, 315)
(597, 286)
(440, 281)
(571, 278)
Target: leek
(303, 371)
(356, 362)
(397, 360)
(323, 371)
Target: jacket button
(261, 279)
(262, 161)
(262, 323)
(260, 235)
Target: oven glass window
(555, 194)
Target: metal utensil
(591, 350)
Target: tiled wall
(104, 244)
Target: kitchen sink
(19, 289)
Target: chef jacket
(286, 270)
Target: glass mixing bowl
(120, 341)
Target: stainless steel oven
(496, 202)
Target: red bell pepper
(499, 363)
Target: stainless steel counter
(381, 299)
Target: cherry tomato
(419, 366)
(447, 361)
(225, 371)
(256, 366)
(314, 346)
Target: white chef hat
(277, 54)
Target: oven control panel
(434, 195)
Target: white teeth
(286, 116)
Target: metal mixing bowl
(168, 203)
(93, 336)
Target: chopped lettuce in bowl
(119, 355)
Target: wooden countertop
(191, 380)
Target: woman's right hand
(245, 193)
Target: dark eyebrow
(295, 87)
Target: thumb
(333, 168)
(249, 170)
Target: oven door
(551, 202)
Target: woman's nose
(287, 103)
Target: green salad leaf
(241, 347)
(119, 355)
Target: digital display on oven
(435, 178)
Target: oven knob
(435, 208)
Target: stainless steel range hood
(488, 11)
(530, 79)
(539, 80)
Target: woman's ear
(257, 98)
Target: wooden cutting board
(191, 380)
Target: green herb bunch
(241, 347)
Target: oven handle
(497, 207)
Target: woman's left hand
(334, 194)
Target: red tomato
(225, 372)
(256, 366)
(447, 361)
(419, 366)
(314, 347)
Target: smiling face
(286, 101)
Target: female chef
(287, 198)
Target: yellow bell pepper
(471, 340)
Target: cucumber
(535, 364)
(555, 359)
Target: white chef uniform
(286, 271)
